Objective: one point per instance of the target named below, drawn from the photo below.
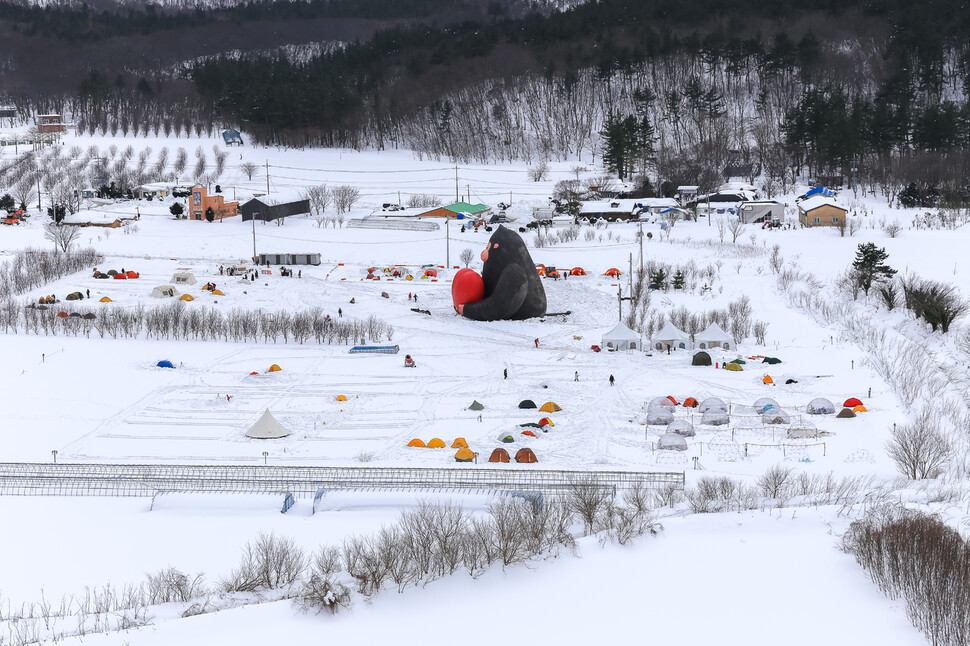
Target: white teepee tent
(267, 428)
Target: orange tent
(499, 455)
(436, 443)
(459, 443)
(529, 433)
(690, 402)
(577, 271)
(431, 272)
(541, 270)
(613, 271)
(464, 455)
(674, 401)
(525, 456)
(860, 409)
(417, 443)
(767, 380)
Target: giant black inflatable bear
(512, 287)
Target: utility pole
(456, 183)
(254, 236)
(640, 236)
(38, 193)
(267, 177)
(447, 244)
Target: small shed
(274, 206)
(821, 211)
(289, 259)
(232, 137)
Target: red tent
(529, 433)
(132, 274)
(675, 402)
(499, 455)
(852, 402)
(525, 456)
(690, 402)
(545, 421)
(577, 271)
(612, 271)
(121, 276)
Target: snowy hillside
(755, 576)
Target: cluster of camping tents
(716, 412)
(117, 275)
(426, 272)
(669, 338)
(554, 272)
(276, 368)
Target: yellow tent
(217, 292)
(767, 380)
(274, 368)
(436, 444)
(550, 407)
(341, 398)
(860, 409)
(105, 299)
(186, 297)
(459, 443)
(734, 367)
(464, 455)
(418, 443)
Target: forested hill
(814, 84)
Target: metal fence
(34, 479)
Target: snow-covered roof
(605, 206)
(280, 197)
(819, 200)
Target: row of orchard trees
(199, 323)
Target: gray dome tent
(716, 418)
(671, 442)
(764, 403)
(701, 359)
(681, 427)
(661, 401)
(820, 406)
(659, 415)
(712, 404)
(775, 416)
(802, 429)
(846, 413)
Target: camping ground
(105, 400)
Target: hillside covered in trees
(869, 90)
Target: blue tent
(819, 190)
(164, 363)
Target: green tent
(701, 359)
(505, 437)
(771, 360)
(476, 406)
(527, 403)
(740, 362)
(530, 424)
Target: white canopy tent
(714, 337)
(670, 338)
(621, 338)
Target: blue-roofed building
(232, 137)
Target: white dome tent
(820, 406)
(659, 415)
(671, 442)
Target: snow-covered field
(754, 577)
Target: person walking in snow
(576, 377)
(537, 343)
(340, 313)
(612, 380)
(505, 373)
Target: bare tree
(63, 236)
(344, 198)
(466, 256)
(735, 228)
(892, 229)
(539, 172)
(249, 169)
(921, 449)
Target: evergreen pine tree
(869, 266)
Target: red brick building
(200, 201)
(51, 123)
